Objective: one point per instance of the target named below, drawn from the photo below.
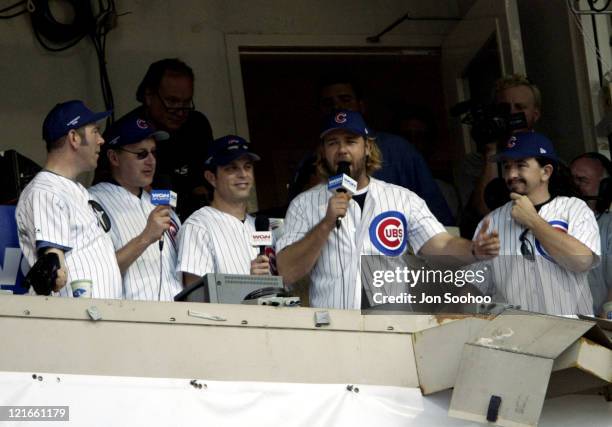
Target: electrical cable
(344, 297)
(588, 40)
(161, 267)
(13, 6)
(6, 9)
(55, 36)
(595, 9)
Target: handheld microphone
(262, 236)
(342, 183)
(165, 197)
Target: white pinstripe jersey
(129, 214)
(53, 211)
(212, 241)
(338, 265)
(541, 286)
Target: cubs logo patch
(142, 124)
(558, 225)
(511, 142)
(388, 233)
(340, 118)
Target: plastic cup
(81, 288)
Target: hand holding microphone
(159, 220)
(158, 223)
(261, 238)
(344, 186)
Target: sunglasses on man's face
(141, 154)
(526, 246)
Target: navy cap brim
(96, 117)
(159, 135)
(517, 156)
(356, 132)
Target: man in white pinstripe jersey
(148, 269)
(217, 238)
(53, 213)
(549, 242)
(311, 243)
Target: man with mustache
(379, 219)
(549, 242)
(54, 214)
(148, 269)
(477, 171)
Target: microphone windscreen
(163, 182)
(344, 168)
(262, 223)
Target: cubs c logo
(558, 225)
(388, 233)
(340, 118)
(142, 124)
(511, 142)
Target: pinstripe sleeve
(51, 221)
(296, 225)
(195, 254)
(423, 225)
(583, 226)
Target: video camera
(489, 123)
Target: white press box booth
(136, 363)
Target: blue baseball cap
(351, 121)
(228, 148)
(523, 145)
(132, 130)
(67, 116)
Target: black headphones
(604, 195)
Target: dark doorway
(282, 105)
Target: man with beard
(549, 242)
(143, 234)
(217, 238)
(313, 244)
(403, 165)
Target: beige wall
(33, 80)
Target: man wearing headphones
(592, 173)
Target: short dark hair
(156, 71)
(209, 188)
(59, 143)
(336, 78)
(561, 182)
(55, 145)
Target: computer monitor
(226, 288)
